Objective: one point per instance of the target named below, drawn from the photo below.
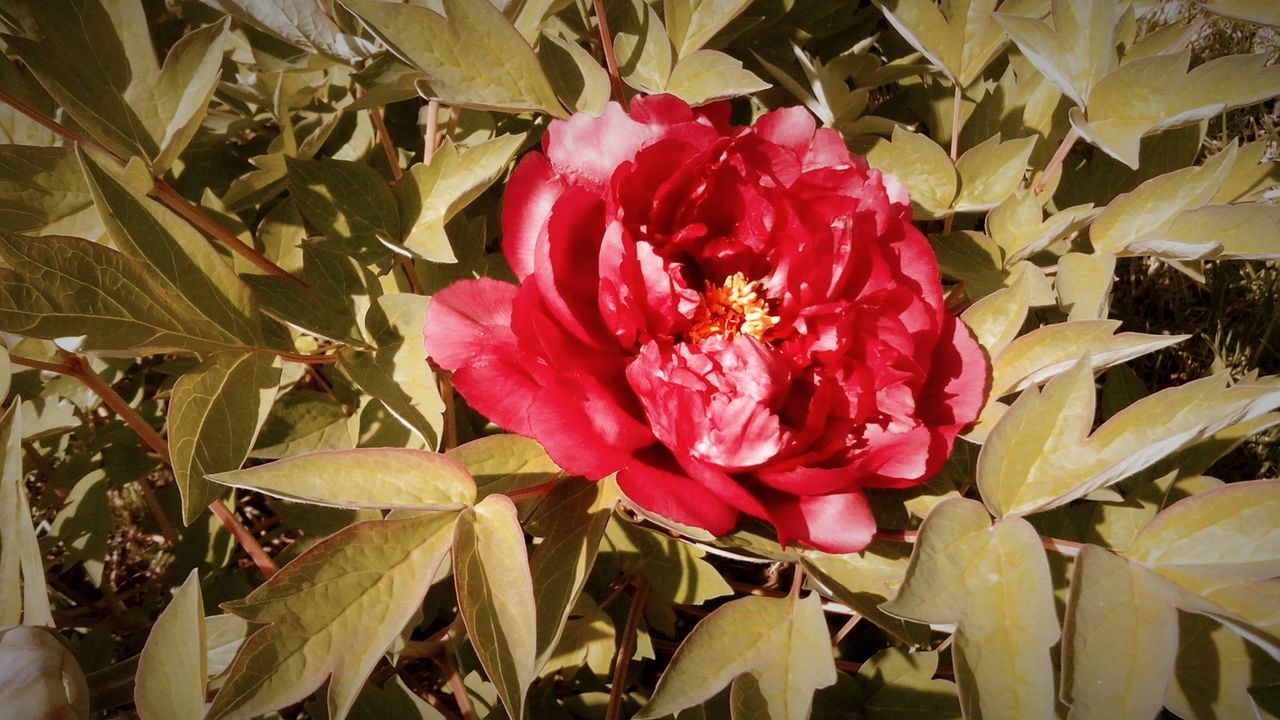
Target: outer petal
(959, 380)
(531, 193)
(790, 127)
(838, 523)
(588, 149)
(468, 320)
(656, 485)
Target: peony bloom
(733, 319)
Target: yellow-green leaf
(998, 318)
(173, 668)
(42, 192)
(505, 463)
(1077, 50)
(1248, 231)
(705, 76)
(579, 80)
(923, 166)
(495, 597)
(782, 642)
(344, 199)
(692, 23)
(383, 478)
(24, 598)
(641, 44)
(302, 23)
(215, 413)
(897, 684)
(472, 55)
(865, 580)
(1215, 670)
(990, 172)
(1119, 640)
(332, 613)
(1083, 284)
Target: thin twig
(58, 128)
(1055, 161)
(450, 430)
(456, 686)
(535, 490)
(306, 359)
(265, 564)
(848, 626)
(384, 139)
(797, 581)
(623, 659)
(429, 138)
(957, 98)
(610, 59)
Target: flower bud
(39, 678)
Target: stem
(246, 540)
(534, 491)
(957, 98)
(456, 686)
(429, 134)
(40, 365)
(58, 128)
(610, 59)
(384, 138)
(846, 628)
(306, 359)
(623, 658)
(797, 581)
(1056, 160)
(1062, 547)
(450, 432)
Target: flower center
(734, 308)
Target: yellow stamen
(734, 308)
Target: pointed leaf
(865, 580)
(641, 44)
(42, 191)
(473, 57)
(898, 684)
(344, 199)
(24, 598)
(301, 23)
(782, 642)
(998, 318)
(1262, 12)
(215, 413)
(1083, 284)
(382, 478)
(173, 668)
(332, 614)
(923, 166)
(495, 596)
(692, 24)
(579, 80)
(1248, 231)
(990, 172)
(505, 463)
(185, 87)
(1077, 51)
(705, 76)
(1119, 640)
(333, 305)
(1215, 670)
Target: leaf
(24, 599)
(897, 684)
(992, 584)
(1019, 227)
(429, 196)
(782, 642)
(576, 512)
(923, 166)
(1154, 206)
(1037, 456)
(1048, 351)
(998, 318)
(864, 581)
(300, 422)
(332, 613)
(173, 667)
(495, 597)
(708, 75)
(397, 373)
(381, 478)
(59, 287)
(215, 413)
(1084, 283)
(1229, 533)
(579, 81)
(1077, 52)
(184, 88)
(1261, 12)
(1157, 93)
(1248, 231)
(473, 57)
(692, 24)
(959, 38)
(343, 199)
(301, 23)
(338, 294)
(184, 262)
(505, 463)
(641, 45)
(990, 172)
(1215, 670)
(1119, 640)
(42, 191)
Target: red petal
(658, 486)
(468, 320)
(959, 380)
(839, 523)
(531, 193)
(790, 127)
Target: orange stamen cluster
(734, 308)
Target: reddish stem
(623, 659)
(610, 58)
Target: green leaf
(1261, 12)
(782, 642)
(184, 261)
(215, 413)
(505, 463)
(173, 668)
(183, 90)
(1248, 231)
(430, 195)
(339, 291)
(865, 580)
(382, 478)
(68, 287)
(579, 81)
(495, 597)
(1077, 51)
(923, 166)
(1119, 640)
(332, 614)
(990, 172)
(641, 45)
(1215, 670)
(1048, 351)
(1153, 207)
(998, 318)
(1157, 93)
(300, 422)
(708, 75)
(1230, 533)
(1019, 227)
(959, 37)
(24, 598)
(961, 575)
(344, 199)
(301, 23)
(897, 684)
(397, 373)
(692, 23)
(42, 191)
(1084, 283)
(473, 58)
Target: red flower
(733, 319)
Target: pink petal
(657, 485)
(837, 523)
(588, 149)
(468, 320)
(790, 127)
(531, 193)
